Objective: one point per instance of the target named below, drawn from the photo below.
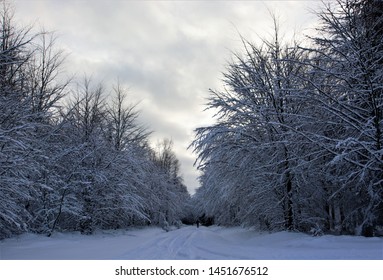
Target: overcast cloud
(167, 53)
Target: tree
(123, 127)
(252, 151)
(46, 86)
(30, 91)
(348, 58)
(17, 127)
(172, 193)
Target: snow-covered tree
(252, 151)
(347, 63)
(298, 140)
(172, 195)
(30, 91)
(18, 158)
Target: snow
(190, 243)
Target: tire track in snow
(185, 243)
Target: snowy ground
(190, 243)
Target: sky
(166, 54)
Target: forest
(296, 143)
(72, 159)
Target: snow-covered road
(190, 243)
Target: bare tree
(45, 68)
(123, 127)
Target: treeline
(72, 158)
(297, 144)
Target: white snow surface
(214, 243)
